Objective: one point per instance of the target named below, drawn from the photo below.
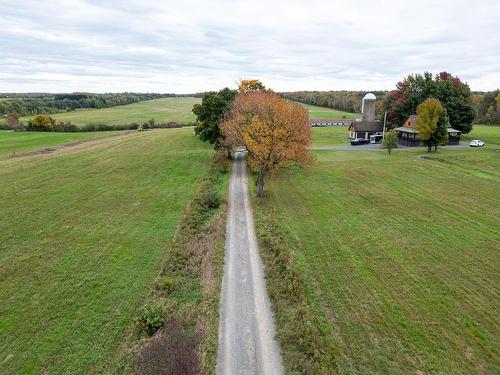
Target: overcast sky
(187, 46)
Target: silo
(368, 107)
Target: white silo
(368, 107)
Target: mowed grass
(19, 142)
(82, 234)
(490, 134)
(162, 110)
(400, 257)
(322, 112)
(330, 136)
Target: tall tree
(454, 95)
(275, 132)
(432, 123)
(251, 85)
(210, 113)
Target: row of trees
(52, 103)
(347, 101)
(487, 107)
(274, 131)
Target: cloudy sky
(188, 46)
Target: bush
(221, 161)
(41, 123)
(170, 352)
(167, 284)
(152, 316)
(210, 199)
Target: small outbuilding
(363, 129)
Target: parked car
(476, 143)
(359, 141)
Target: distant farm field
(19, 142)
(321, 112)
(400, 256)
(162, 110)
(82, 233)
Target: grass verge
(305, 336)
(177, 329)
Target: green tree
(390, 140)
(210, 113)
(41, 123)
(432, 123)
(454, 95)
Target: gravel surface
(246, 327)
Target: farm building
(408, 134)
(366, 126)
(330, 122)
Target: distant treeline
(35, 103)
(347, 101)
(487, 107)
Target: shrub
(41, 123)
(88, 128)
(221, 161)
(170, 352)
(167, 284)
(210, 199)
(152, 316)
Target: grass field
(19, 142)
(400, 256)
(82, 233)
(321, 112)
(162, 110)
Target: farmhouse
(366, 126)
(408, 134)
(330, 122)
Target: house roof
(406, 129)
(451, 130)
(366, 126)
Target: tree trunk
(260, 182)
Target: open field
(162, 110)
(321, 112)
(399, 255)
(488, 133)
(330, 136)
(82, 234)
(30, 141)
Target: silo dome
(369, 96)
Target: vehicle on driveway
(359, 141)
(476, 143)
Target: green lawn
(19, 142)
(330, 136)
(82, 232)
(321, 112)
(162, 110)
(488, 133)
(400, 256)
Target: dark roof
(366, 126)
(331, 120)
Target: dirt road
(246, 327)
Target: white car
(476, 143)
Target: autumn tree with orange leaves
(275, 132)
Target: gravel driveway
(246, 326)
